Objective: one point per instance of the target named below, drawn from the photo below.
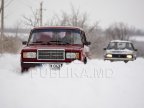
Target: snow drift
(98, 84)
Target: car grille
(119, 55)
(51, 54)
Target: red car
(54, 46)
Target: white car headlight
(109, 55)
(129, 56)
(72, 55)
(29, 54)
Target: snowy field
(137, 38)
(99, 84)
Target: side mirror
(87, 43)
(136, 49)
(24, 42)
(104, 49)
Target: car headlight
(109, 55)
(29, 54)
(72, 55)
(129, 56)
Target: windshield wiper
(40, 42)
(59, 42)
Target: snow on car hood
(125, 51)
(67, 47)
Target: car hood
(66, 47)
(125, 51)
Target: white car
(119, 50)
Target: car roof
(58, 27)
(121, 41)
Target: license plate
(55, 66)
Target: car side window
(130, 46)
(83, 37)
(44, 37)
(112, 45)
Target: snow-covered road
(99, 84)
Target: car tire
(85, 60)
(24, 70)
(126, 61)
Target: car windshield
(55, 36)
(120, 45)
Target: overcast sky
(104, 11)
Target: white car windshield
(55, 36)
(120, 46)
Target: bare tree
(73, 18)
(118, 31)
(17, 27)
(0, 9)
(33, 20)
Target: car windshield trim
(55, 36)
(56, 30)
(40, 42)
(59, 42)
(118, 48)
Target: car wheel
(125, 61)
(85, 60)
(24, 69)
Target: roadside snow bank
(137, 38)
(98, 84)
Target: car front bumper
(119, 59)
(35, 64)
